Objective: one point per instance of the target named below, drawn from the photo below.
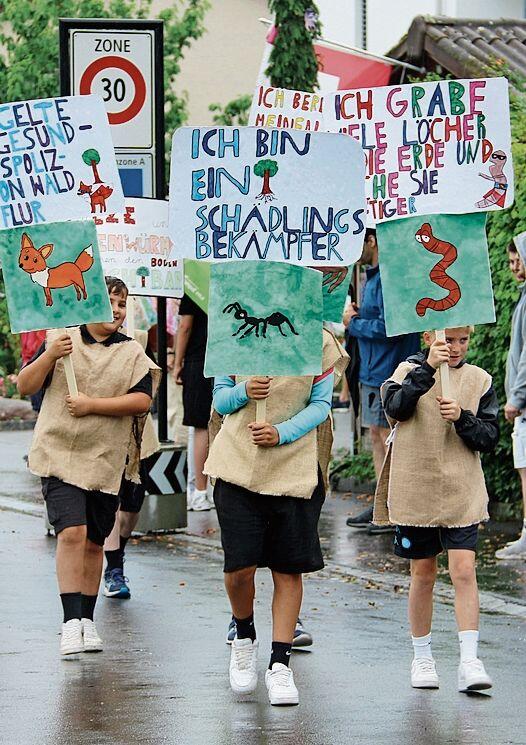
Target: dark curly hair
(116, 285)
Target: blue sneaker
(231, 633)
(302, 638)
(115, 584)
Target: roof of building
(464, 47)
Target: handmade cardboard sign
(335, 287)
(436, 147)
(135, 246)
(53, 276)
(435, 273)
(197, 282)
(244, 193)
(56, 162)
(264, 319)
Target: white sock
(200, 493)
(422, 647)
(468, 645)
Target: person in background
(380, 355)
(515, 386)
(190, 348)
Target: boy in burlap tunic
(269, 491)
(432, 489)
(81, 448)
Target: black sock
(72, 605)
(115, 559)
(123, 542)
(245, 628)
(280, 653)
(88, 606)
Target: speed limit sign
(119, 61)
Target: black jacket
(479, 431)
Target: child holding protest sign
(432, 488)
(269, 490)
(81, 448)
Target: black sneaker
(378, 529)
(302, 638)
(363, 520)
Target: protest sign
(264, 319)
(135, 246)
(197, 282)
(57, 161)
(435, 273)
(438, 147)
(242, 193)
(335, 287)
(53, 276)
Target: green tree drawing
(91, 158)
(266, 168)
(143, 272)
(293, 63)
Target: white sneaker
(189, 501)
(514, 550)
(243, 665)
(423, 673)
(200, 502)
(472, 676)
(280, 686)
(92, 640)
(71, 641)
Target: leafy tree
(293, 62)
(234, 113)
(29, 59)
(266, 168)
(143, 272)
(91, 158)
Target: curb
(16, 425)
(393, 582)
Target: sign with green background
(197, 282)
(435, 272)
(264, 319)
(53, 276)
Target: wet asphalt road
(163, 675)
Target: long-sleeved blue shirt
(230, 397)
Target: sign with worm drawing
(435, 273)
(430, 148)
(264, 319)
(53, 276)
(246, 193)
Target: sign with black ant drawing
(247, 193)
(264, 319)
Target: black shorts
(197, 394)
(269, 531)
(132, 495)
(411, 542)
(69, 506)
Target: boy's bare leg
(200, 455)
(522, 474)
(93, 556)
(127, 523)
(378, 437)
(241, 591)
(423, 576)
(463, 575)
(286, 605)
(71, 543)
(112, 542)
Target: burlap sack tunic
(92, 452)
(150, 441)
(430, 477)
(287, 470)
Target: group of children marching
(270, 481)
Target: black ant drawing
(251, 323)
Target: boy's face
(516, 266)
(118, 306)
(458, 340)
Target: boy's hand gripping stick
(444, 368)
(70, 372)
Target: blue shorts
(372, 409)
(411, 542)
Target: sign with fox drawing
(57, 162)
(53, 276)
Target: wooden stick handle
(69, 370)
(444, 369)
(261, 410)
(130, 316)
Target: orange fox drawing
(97, 197)
(33, 261)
